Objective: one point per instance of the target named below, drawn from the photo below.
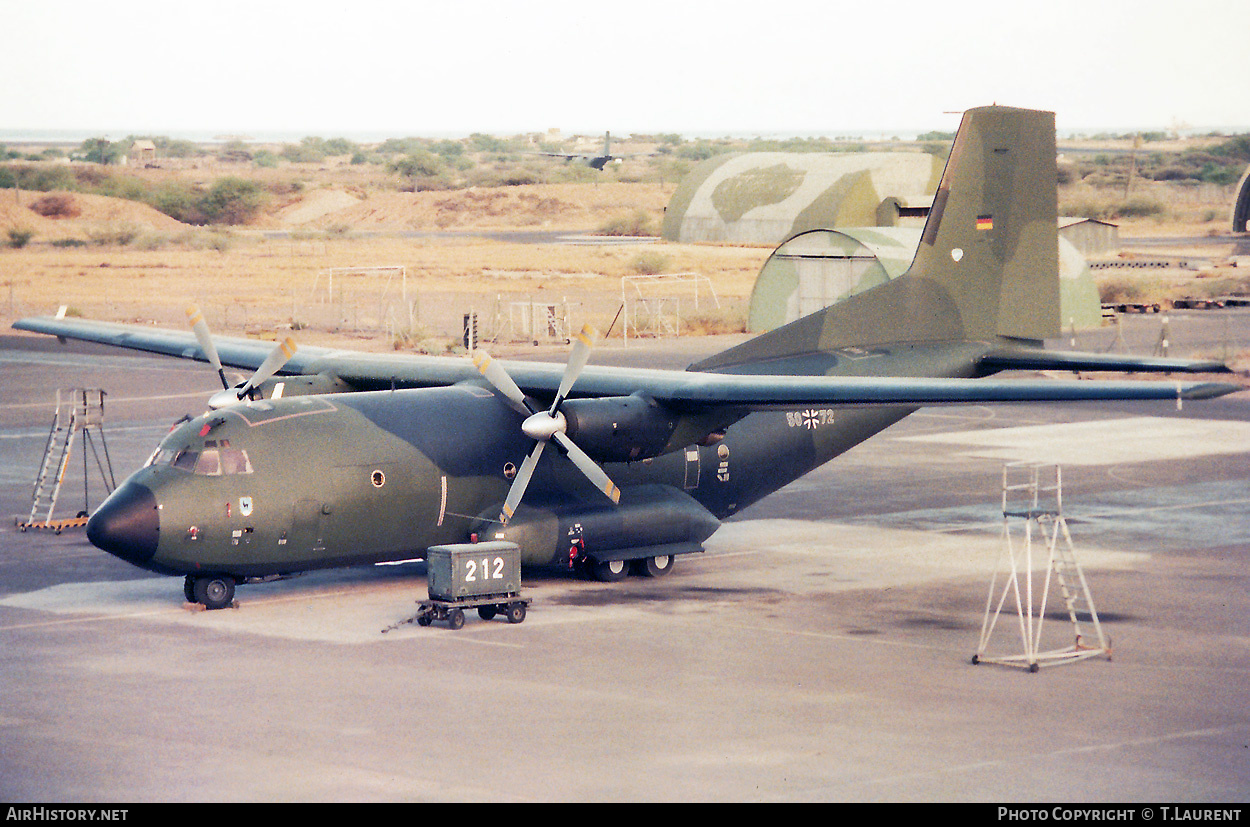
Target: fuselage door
(692, 467)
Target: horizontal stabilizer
(1032, 359)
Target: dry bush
(57, 205)
(1129, 288)
(716, 322)
(638, 224)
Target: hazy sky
(459, 66)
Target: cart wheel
(455, 619)
(424, 619)
(487, 612)
(516, 612)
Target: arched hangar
(1241, 207)
(817, 268)
(767, 197)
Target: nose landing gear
(212, 591)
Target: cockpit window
(209, 463)
(186, 460)
(235, 461)
(162, 456)
(212, 461)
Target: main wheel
(609, 571)
(654, 566)
(215, 591)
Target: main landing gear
(614, 571)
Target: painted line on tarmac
(1153, 740)
(88, 619)
(113, 400)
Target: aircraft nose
(127, 524)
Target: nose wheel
(213, 591)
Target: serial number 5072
(810, 419)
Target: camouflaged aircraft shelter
(817, 268)
(767, 197)
(1241, 207)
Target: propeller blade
(200, 328)
(278, 357)
(522, 481)
(588, 467)
(500, 380)
(542, 426)
(580, 354)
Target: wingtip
(1207, 390)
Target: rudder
(992, 239)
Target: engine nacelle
(650, 520)
(282, 386)
(619, 428)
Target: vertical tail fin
(991, 240)
(988, 261)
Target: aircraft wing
(235, 352)
(684, 391)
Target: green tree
(102, 150)
(418, 165)
(233, 200)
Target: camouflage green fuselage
(349, 479)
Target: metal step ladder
(1033, 505)
(78, 411)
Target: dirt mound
(15, 216)
(86, 214)
(314, 205)
(560, 206)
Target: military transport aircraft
(325, 458)
(593, 161)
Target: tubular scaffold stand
(1032, 506)
(78, 411)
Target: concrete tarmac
(820, 650)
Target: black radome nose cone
(127, 524)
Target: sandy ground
(461, 252)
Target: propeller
(200, 328)
(543, 426)
(279, 356)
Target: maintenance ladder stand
(1039, 506)
(77, 410)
